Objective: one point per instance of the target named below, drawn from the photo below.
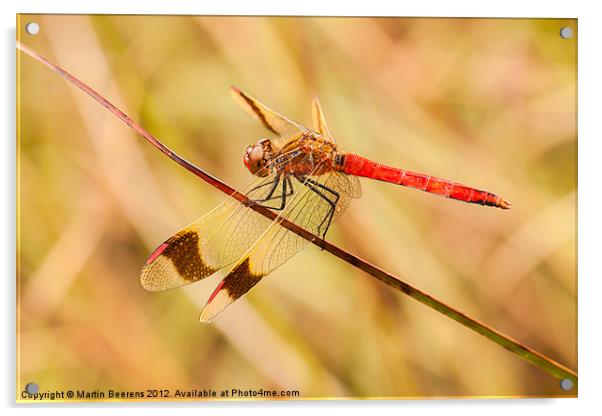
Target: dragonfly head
(256, 157)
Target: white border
(590, 191)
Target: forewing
(271, 120)
(319, 121)
(277, 244)
(212, 242)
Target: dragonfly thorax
(311, 154)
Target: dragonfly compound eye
(254, 158)
(245, 159)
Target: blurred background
(486, 102)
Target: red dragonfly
(300, 174)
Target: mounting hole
(566, 32)
(566, 384)
(32, 388)
(32, 28)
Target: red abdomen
(359, 166)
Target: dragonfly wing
(308, 209)
(319, 121)
(212, 242)
(354, 186)
(271, 120)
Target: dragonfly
(305, 178)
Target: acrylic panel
(409, 295)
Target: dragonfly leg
(274, 184)
(287, 190)
(317, 188)
(290, 184)
(286, 183)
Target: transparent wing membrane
(317, 202)
(319, 121)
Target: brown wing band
(258, 111)
(183, 251)
(240, 280)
